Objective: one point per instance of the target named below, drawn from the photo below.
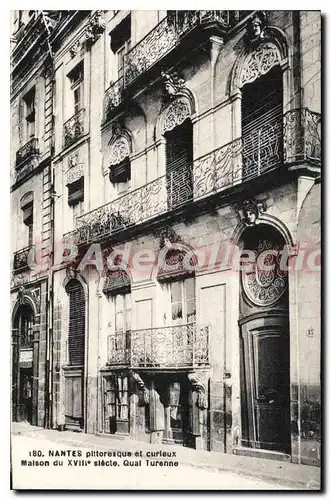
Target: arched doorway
(264, 342)
(22, 380)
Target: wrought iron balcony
(275, 143)
(21, 258)
(177, 346)
(113, 98)
(26, 152)
(165, 36)
(73, 129)
(160, 41)
(142, 204)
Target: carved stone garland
(176, 114)
(259, 62)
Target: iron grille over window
(179, 159)
(76, 334)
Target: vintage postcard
(165, 249)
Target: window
(76, 333)
(120, 42)
(30, 114)
(27, 210)
(122, 312)
(24, 323)
(183, 308)
(76, 77)
(262, 123)
(76, 192)
(179, 159)
(116, 404)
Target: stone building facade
(179, 139)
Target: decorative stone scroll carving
(120, 149)
(141, 386)
(200, 387)
(259, 62)
(96, 27)
(178, 111)
(74, 173)
(250, 210)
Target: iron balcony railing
(113, 98)
(23, 258)
(177, 346)
(26, 152)
(276, 142)
(73, 129)
(160, 41)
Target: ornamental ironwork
(302, 136)
(113, 98)
(277, 142)
(26, 152)
(22, 258)
(264, 285)
(165, 36)
(172, 347)
(73, 129)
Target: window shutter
(76, 334)
(179, 147)
(179, 159)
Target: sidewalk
(295, 476)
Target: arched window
(24, 320)
(26, 204)
(76, 333)
(262, 122)
(178, 132)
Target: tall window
(183, 308)
(76, 77)
(122, 312)
(76, 334)
(30, 113)
(262, 122)
(121, 42)
(179, 159)
(27, 210)
(24, 323)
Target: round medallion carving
(263, 280)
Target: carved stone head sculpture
(256, 27)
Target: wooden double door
(265, 382)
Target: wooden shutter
(179, 147)
(76, 334)
(179, 158)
